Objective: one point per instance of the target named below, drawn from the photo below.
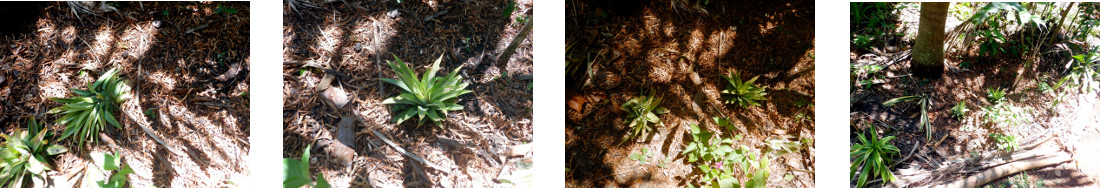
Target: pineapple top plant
(87, 113)
(643, 110)
(873, 154)
(995, 96)
(429, 96)
(742, 93)
(23, 155)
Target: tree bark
(928, 50)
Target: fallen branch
(411, 155)
(1007, 169)
(134, 107)
(507, 54)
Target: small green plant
(923, 100)
(742, 93)
(960, 110)
(1004, 142)
(225, 9)
(872, 154)
(725, 123)
(782, 145)
(296, 173)
(105, 162)
(511, 7)
(643, 110)
(24, 155)
(717, 160)
(429, 96)
(702, 148)
(642, 157)
(91, 110)
(862, 41)
(995, 96)
(1005, 114)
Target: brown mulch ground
(638, 46)
(356, 38)
(955, 139)
(196, 84)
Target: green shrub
(24, 155)
(643, 110)
(873, 154)
(429, 96)
(925, 123)
(296, 173)
(742, 93)
(91, 110)
(960, 110)
(96, 177)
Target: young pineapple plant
(995, 96)
(24, 153)
(742, 93)
(87, 113)
(429, 96)
(873, 154)
(960, 110)
(643, 110)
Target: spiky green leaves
(960, 110)
(742, 93)
(429, 96)
(642, 111)
(23, 155)
(995, 96)
(873, 154)
(89, 111)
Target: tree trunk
(1062, 21)
(928, 50)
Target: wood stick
(134, 107)
(407, 153)
(507, 54)
(377, 56)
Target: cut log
(1008, 169)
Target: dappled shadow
(354, 39)
(661, 47)
(142, 40)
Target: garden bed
(190, 85)
(681, 50)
